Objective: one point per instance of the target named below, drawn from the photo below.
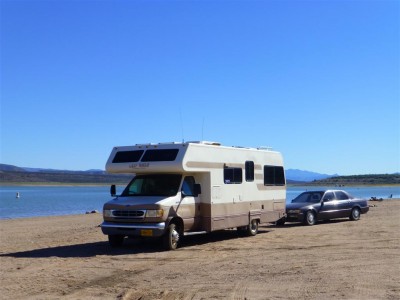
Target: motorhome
(193, 187)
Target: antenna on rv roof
(202, 130)
(180, 114)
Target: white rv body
(240, 188)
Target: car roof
(324, 191)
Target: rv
(193, 187)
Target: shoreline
(308, 184)
(56, 184)
(372, 203)
(345, 185)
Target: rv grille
(134, 214)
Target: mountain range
(291, 174)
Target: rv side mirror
(113, 190)
(197, 189)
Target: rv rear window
(127, 156)
(160, 155)
(274, 175)
(233, 175)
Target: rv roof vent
(169, 143)
(265, 148)
(205, 143)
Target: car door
(344, 204)
(329, 206)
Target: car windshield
(153, 185)
(308, 197)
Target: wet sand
(68, 257)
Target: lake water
(65, 200)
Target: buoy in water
(17, 196)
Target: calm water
(59, 200)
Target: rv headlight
(107, 213)
(154, 213)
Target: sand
(68, 257)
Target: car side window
(315, 198)
(188, 185)
(341, 196)
(329, 196)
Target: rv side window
(233, 175)
(274, 175)
(127, 156)
(249, 170)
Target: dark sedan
(312, 206)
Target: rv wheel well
(178, 222)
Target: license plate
(146, 232)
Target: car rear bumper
(364, 209)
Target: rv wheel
(252, 229)
(171, 238)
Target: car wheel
(310, 218)
(115, 240)
(355, 214)
(171, 237)
(252, 229)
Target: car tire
(355, 214)
(171, 237)
(115, 240)
(252, 229)
(310, 218)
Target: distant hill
(10, 168)
(291, 174)
(305, 176)
(371, 179)
(12, 174)
(92, 171)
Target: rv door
(189, 208)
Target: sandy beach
(68, 257)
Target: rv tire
(252, 229)
(115, 240)
(171, 237)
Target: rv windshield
(153, 185)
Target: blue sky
(318, 81)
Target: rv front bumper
(133, 229)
